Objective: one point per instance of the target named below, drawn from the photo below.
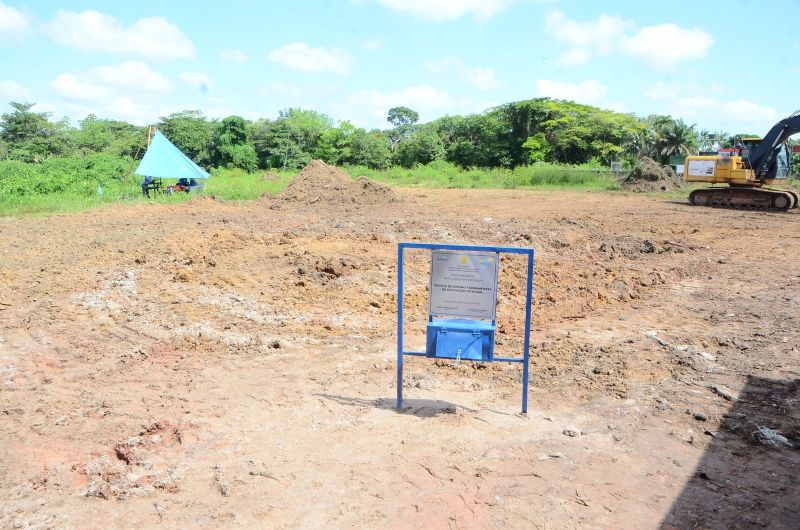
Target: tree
(675, 138)
(31, 136)
(370, 149)
(192, 133)
(232, 146)
(399, 116)
(116, 138)
(537, 147)
(639, 143)
(403, 119)
(423, 147)
(334, 145)
(290, 141)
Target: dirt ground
(212, 364)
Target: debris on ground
(723, 392)
(771, 438)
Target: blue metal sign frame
(525, 359)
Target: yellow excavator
(747, 169)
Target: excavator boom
(762, 159)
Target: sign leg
(399, 327)
(527, 344)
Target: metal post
(527, 344)
(399, 326)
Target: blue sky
(732, 65)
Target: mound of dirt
(649, 175)
(319, 182)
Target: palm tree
(641, 143)
(677, 138)
(705, 140)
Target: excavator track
(745, 198)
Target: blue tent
(164, 160)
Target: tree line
(506, 136)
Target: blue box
(459, 338)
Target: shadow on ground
(742, 482)
(423, 408)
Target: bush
(79, 175)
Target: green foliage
(404, 120)
(192, 133)
(443, 174)
(31, 137)
(239, 185)
(538, 147)
(76, 175)
(673, 137)
(290, 141)
(477, 140)
(79, 190)
(370, 149)
(232, 147)
(423, 147)
(112, 137)
(399, 116)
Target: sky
(732, 65)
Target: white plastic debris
(771, 438)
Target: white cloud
(14, 91)
(442, 10)
(665, 45)
(734, 115)
(368, 108)
(423, 97)
(197, 80)
(663, 90)
(661, 46)
(233, 56)
(711, 106)
(480, 78)
(373, 44)
(574, 57)
(593, 37)
(443, 64)
(13, 22)
(590, 91)
(301, 56)
(92, 31)
(130, 90)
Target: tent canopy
(164, 160)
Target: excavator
(747, 169)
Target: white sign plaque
(701, 168)
(463, 284)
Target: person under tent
(147, 182)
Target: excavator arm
(762, 159)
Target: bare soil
(213, 364)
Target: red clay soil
(211, 364)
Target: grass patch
(224, 184)
(239, 185)
(440, 174)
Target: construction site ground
(216, 364)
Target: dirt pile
(649, 175)
(319, 182)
